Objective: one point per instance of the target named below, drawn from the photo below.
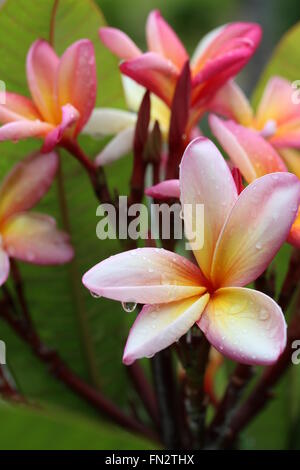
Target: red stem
(69, 378)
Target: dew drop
(96, 296)
(129, 307)
(258, 246)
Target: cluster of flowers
(244, 228)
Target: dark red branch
(59, 369)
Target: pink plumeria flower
(30, 237)
(220, 55)
(254, 155)
(240, 239)
(277, 118)
(63, 92)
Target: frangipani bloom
(277, 117)
(63, 93)
(121, 123)
(30, 237)
(219, 56)
(253, 155)
(240, 239)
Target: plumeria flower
(63, 93)
(219, 56)
(253, 155)
(30, 236)
(241, 237)
(277, 118)
(121, 123)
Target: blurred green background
(89, 334)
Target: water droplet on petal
(96, 296)
(129, 307)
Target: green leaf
(89, 334)
(29, 429)
(285, 61)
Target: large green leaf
(88, 333)
(25, 429)
(285, 61)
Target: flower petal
(17, 107)
(23, 129)
(159, 326)
(250, 152)
(164, 190)
(77, 82)
(292, 159)
(119, 43)
(70, 116)
(276, 103)
(4, 266)
(145, 275)
(41, 67)
(223, 40)
(134, 94)
(35, 239)
(117, 148)
(28, 181)
(287, 135)
(231, 102)
(220, 56)
(294, 235)
(162, 39)
(154, 73)
(256, 228)
(244, 325)
(206, 179)
(109, 121)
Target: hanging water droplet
(129, 307)
(96, 296)
(181, 215)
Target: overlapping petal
(145, 275)
(277, 104)
(245, 325)
(294, 235)
(205, 179)
(109, 121)
(17, 107)
(164, 190)
(35, 239)
(117, 148)
(287, 135)
(24, 128)
(158, 326)
(154, 72)
(76, 81)
(28, 181)
(250, 152)
(41, 66)
(230, 37)
(292, 160)
(231, 102)
(162, 39)
(119, 43)
(69, 117)
(256, 228)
